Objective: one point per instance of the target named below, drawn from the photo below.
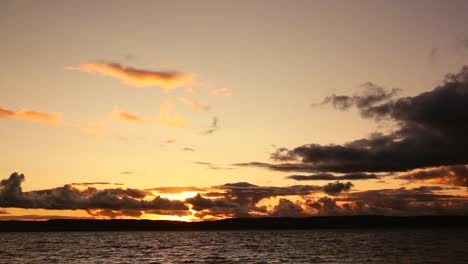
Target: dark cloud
(287, 208)
(94, 183)
(199, 203)
(330, 176)
(211, 166)
(249, 194)
(372, 95)
(70, 198)
(337, 187)
(432, 129)
(456, 175)
(34, 217)
(108, 213)
(215, 125)
(188, 149)
(402, 202)
(241, 199)
(176, 189)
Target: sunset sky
(194, 110)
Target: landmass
(319, 222)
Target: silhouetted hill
(323, 222)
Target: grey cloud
(70, 198)
(215, 125)
(337, 188)
(330, 176)
(287, 208)
(373, 94)
(456, 175)
(431, 132)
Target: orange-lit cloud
(166, 118)
(240, 199)
(167, 80)
(122, 115)
(33, 116)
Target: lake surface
(297, 246)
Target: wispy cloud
(169, 118)
(167, 80)
(123, 115)
(33, 116)
(211, 166)
(188, 149)
(221, 91)
(213, 127)
(194, 104)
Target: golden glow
(178, 196)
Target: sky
(198, 110)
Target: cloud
(169, 119)
(34, 217)
(166, 117)
(94, 183)
(211, 166)
(221, 91)
(170, 141)
(127, 172)
(177, 189)
(213, 127)
(431, 132)
(167, 80)
(287, 208)
(125, 116)
(33, 116)
(199, 203)
(372, 94)
(3, 212)
(456, 175)
(239, 199)
(188, 149)
(337, 188)
(71, 198)
(108, 213)
(330, 176)
(195, 105)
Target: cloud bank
(431, 132)
(239, 199)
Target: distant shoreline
(319, 222)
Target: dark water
(308, 246)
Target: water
(300, 246)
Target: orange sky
(177, 93)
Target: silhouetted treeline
(322, 222)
